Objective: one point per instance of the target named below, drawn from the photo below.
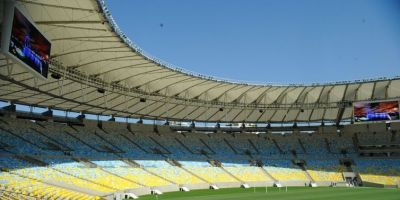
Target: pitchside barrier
(261, 183)
(198, 186)
(228, 185)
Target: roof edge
(115, 28)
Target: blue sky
(269, 41)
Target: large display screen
(28, 45)
(376, 111)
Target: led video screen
(376, 111)
(28, 45)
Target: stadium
(87, 114)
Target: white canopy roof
(90, 52)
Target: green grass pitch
(293, 193)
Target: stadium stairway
(307, 174)
(184, 146)
(54, 143)
(195, 175)
(121, 177)
(268, 174)
(110, 188)
(327, 144)
(248, 153)
(205, 144)
(85, 162)
(131, 163)
(173, 162)
(356, 143)
(161, 146)
(302, 145)
(277, 146)
(30, 159)
(302, 166)
(254, 146)
(393, 137)
(149, 172)
(133, 142)
(77, 138)
(108, 142)
(233, 176)
(230, 146)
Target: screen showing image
(376, 111)
(29, 45)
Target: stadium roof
(90, 52)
